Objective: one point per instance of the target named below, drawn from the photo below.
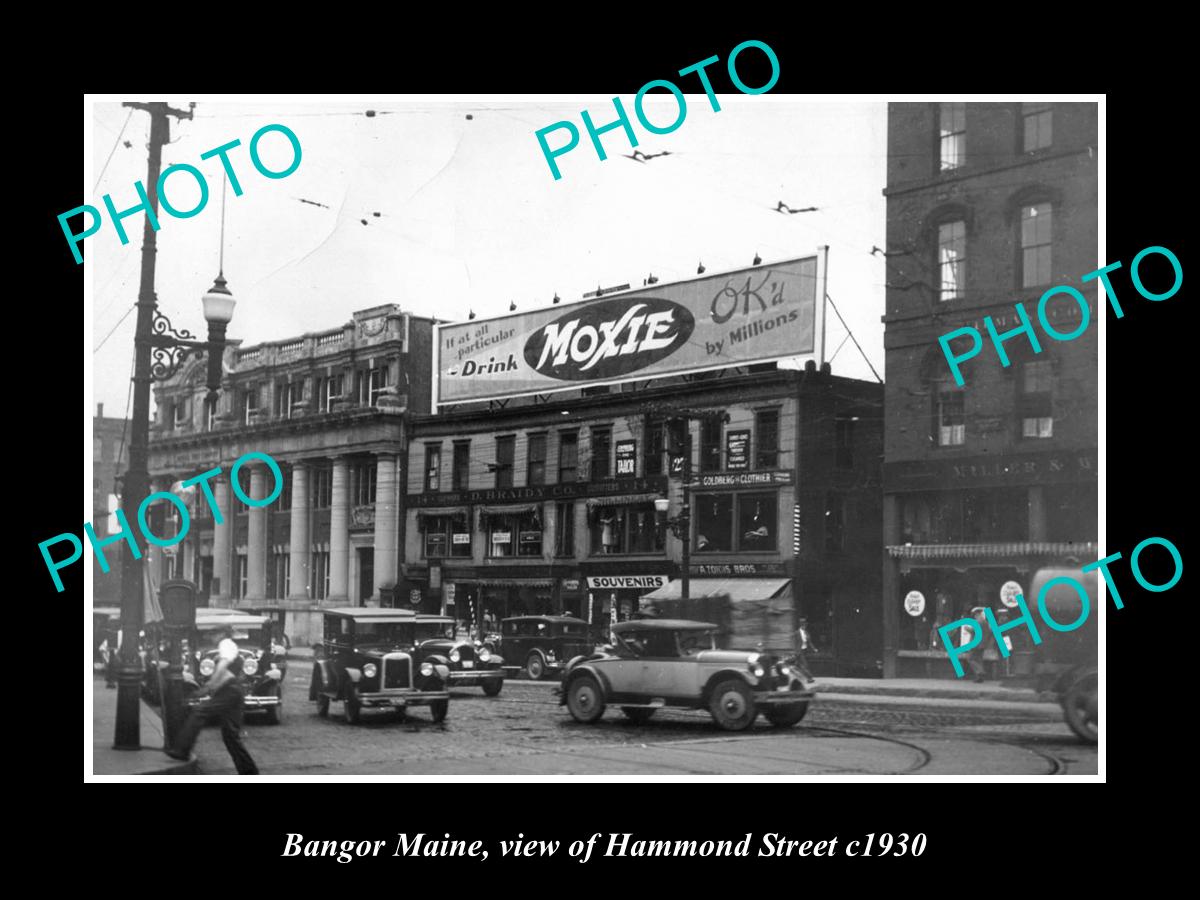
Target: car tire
(786, 716)
(1080, 708)
(275, 713)
(585, 699)
(323, 705)
(535, 666)
(638, 715)
(438, 710)
(492, 688)
(732, 705)
(353, 706)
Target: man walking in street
(803, 642)
(227, 706)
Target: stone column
(386, 523)
(256, 538)
(222, 544)
(339, 532)
(298, 590)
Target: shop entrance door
(366, 573)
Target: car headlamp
(426, 669)
(549, 654)
(207, 667)
(484, 654)
(370, 670)
(250, 666)
(455, 656)
(757, 670)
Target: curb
(1007, 696)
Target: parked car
(278, 617)
(369, 661)
(543, 644)
(264, 660)
(471, 664)
(659, 663)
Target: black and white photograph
(701, 432)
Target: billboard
(756, 315)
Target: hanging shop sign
(1009, 592)
(734, 569)
(622, 582)
(626, 458)
(772, 478)
(737, 450)
(914, 603)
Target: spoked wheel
(638, 715)
(786, 716)
(353, 707)
(585, 700)
(535, 667)
(438, 710)
(732, 705)
(1081, 707)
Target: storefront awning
(1006, 550)
(519, 509)
(515, 582)
(455, 512)
(735, 588)
(622, 500)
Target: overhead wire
(104, 168)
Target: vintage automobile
(369, 661)
(278, 616)
(657, 663)
(543, 644)
(471, 664)
(264, 660)
(1066, 663)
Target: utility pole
(134, 485)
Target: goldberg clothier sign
(747, 316)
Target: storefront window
(756, 517)
(757, 521)
(714, 522)
(514, 535)
(966, 516)
(624, 529)
(446, 536)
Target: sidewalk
(150, 760)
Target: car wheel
(492, 688)
(786, 716)
(438, 710)
(732, 705)
(323, 705)
(585, 699)
(637, 714)
(1081, 710)
(535, 666)
(353, 706)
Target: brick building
(109, 461)
(988, 205)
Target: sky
(470, 217)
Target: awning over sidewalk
(515, 582)
(735, 588)
(622, 500)
(1014, 549)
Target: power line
(115, 327)
(104, 168)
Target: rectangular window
(536, 473)
(329, 388)
(446, 536)
(710, 445)
(1035, 401)
(322, 487)
(758, 520)
(284, 501)
(564, 538)
(766, 427)
(1036, 119)
(505, 447)
(949, 415)
(433, 466)
(601, 452)
(281, 569)
(368, 384)
(1036, 227)
(952, 134)
(210, 415)
(843, 442)
(655, 447)
(952, 260)
(714, 523)
(239, 506)
(624, 529)
(461, 476)
(320, 574)
(249, 403)
(568, 456)
(514, 535)
(240, 576)
(363, 476)
(183, 415)
(287, 394)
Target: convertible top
(662, 625)
(378, 613)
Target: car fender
(355, 675)
(723, 675)
(437, 659)
(324, 679)
(579, 671)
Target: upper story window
(949, 414)
(239, 505)
(329, 388)
(210, 414)
(249, 403)
(601, 452)
(710, 445)
(843, 441)
(287, 393)
(446, 536)
(505, 447)
(433, 466)
(1035, 400)
(322, 487)
(625, 529)
(515, 535)
(460, 475)
(1036, 228)
(536, 472)
(952, 260)
(766, 427)
(952, 135)
(655, 447)
(284, 501)
(568, 456)
(364, 483)
(369, 384)
(1036, 123)
(180, 414)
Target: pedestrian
(974, 656)
(803, 642)
(227, 707)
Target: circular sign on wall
(1008, 593)
(914, 603)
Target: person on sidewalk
(227, 707)
(974, 656)
(803, 642)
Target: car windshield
(428, 631)
(393, 633)
(692, 642)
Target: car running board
(656, 703)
